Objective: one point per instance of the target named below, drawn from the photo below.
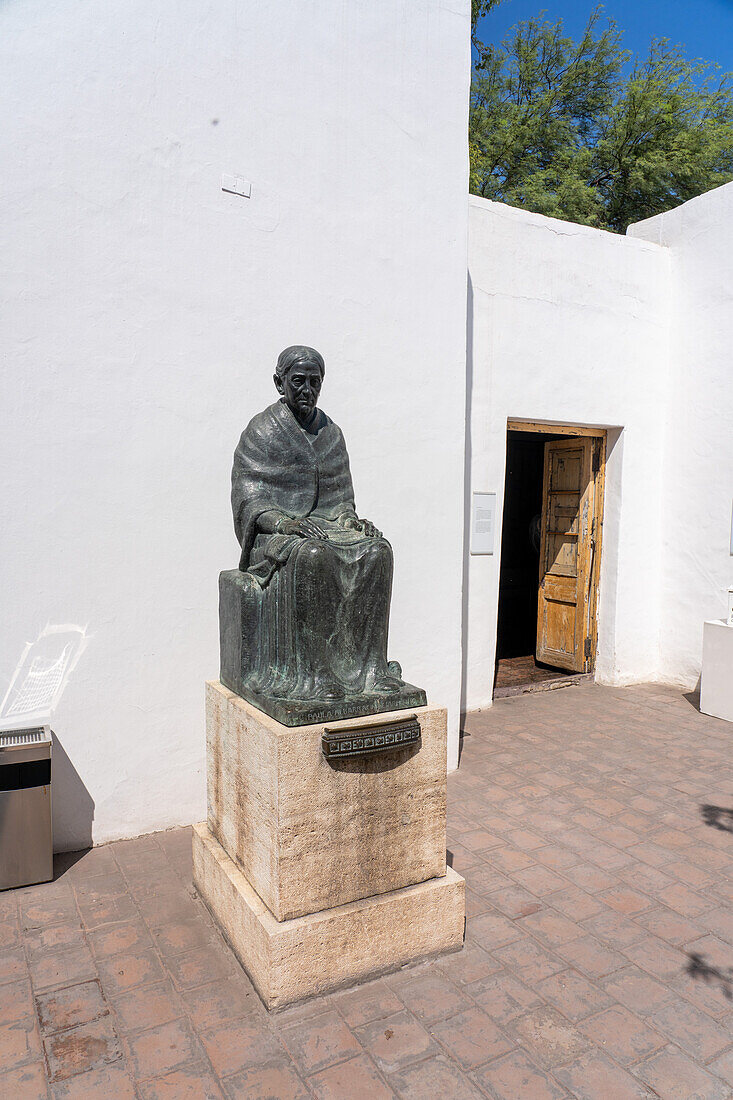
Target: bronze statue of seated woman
(304, 619)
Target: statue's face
(301, 387)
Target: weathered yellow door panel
(559, 628)
(565, 553)
(561, 558)
(565, 520)
(567, 467)
(560, 589)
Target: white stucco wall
(570, 324)
(698, 447)
(143, 310)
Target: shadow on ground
(718, 817)
(700, 970)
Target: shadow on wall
(72, 805)
(466, 506)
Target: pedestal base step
(291, 960)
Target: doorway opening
(550, 556)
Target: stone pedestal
(716, 684)
(322, 872)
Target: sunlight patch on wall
(41, 675)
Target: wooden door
(566, 605)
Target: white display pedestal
(716, 687)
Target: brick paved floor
(594, 827)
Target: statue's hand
(368, 528)
(306, 528)
(353, 523)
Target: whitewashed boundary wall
(570, 324)
(697, 490)
(143, 310)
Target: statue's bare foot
(387, 685)
(330, 692)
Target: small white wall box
(236, 185)
(730, 606)
(483, 523)
(716, 686)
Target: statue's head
(298, 377)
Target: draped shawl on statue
(277, 465)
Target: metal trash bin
(26, 846)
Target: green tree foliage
(577, 130)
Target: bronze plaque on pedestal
(353, 741)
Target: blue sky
(704, 27)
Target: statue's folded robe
(277, 466)
(305, 620)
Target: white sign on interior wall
(483, 523)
